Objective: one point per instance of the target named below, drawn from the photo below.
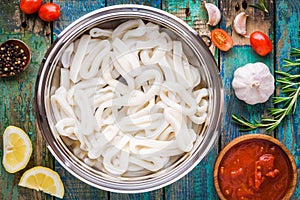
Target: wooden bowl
(14, 57)
(233, 168)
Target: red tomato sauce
(255, 169)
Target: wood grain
(152, 3)
(256, 20)
(193, 13)
(287, 26)
(72, 10)
(17, 94)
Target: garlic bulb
(214, 14)
(253, 83)
(239, 23)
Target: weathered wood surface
(287, 26)
(17, 93)
(16, 96)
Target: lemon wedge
(17, 149)
(44, 179)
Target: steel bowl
(198, 54)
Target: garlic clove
(239, 23)
(214, 14)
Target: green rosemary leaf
(275, 111)
(269, 120)
(247, 126)
(256, 6)
(295, 52)
(272, 127)
(294, 108)
(288, 86)
(285, 74)
(261, 6)
(285, 81)
(277, 100)
(289, 91)
(290, 63)
(293, 77)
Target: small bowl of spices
(255, 166)
(14, 57)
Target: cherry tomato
(49, 12)
(221, 39)
(30, 6)
(261, 43)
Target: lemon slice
(17, 149)
(44, 179)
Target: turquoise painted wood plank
(71, 10)
(287, 26)
(152, 3)
(76, 189)
(156, 194)
(238, 56)
(192, 12)
(198, 184)
(17, 93)
(229, 63)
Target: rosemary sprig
(295, 52)
(261, 6)
(287, 102)
(293, 63)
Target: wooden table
(17, 94)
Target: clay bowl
(255, 166)
(14, 57)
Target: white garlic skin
(253, 83)
(214, 14)
(240, 23)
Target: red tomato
(221, 39)
(49, 12)
(261, 43)
(30, 6)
